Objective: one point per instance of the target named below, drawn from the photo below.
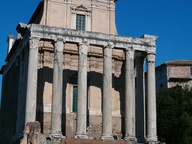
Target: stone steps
(92, 141)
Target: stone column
(31, 96)
(130, 97)
(82, 92)
(140, 101)
(56, 112)
(107, 93)
(151, 101)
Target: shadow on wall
(45, 75)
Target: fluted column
(129, 97)
(31, 94)
(56, 112)
(151, 101)
(107, 93)
(82, 92)
(140, 101)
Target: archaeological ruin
(69, 70)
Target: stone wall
(95, 82)
(59, 13)
(9, 104)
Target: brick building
(173, 73)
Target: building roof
(176, 63)
(179, 62)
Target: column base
(131, 139)
(56, 137)
(107, 137)
(81, 136)
(152, 140)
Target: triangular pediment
(81, 8)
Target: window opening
(75, 98)
(80, 22)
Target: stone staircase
(91, 141)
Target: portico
(131, 47)
(70, 70)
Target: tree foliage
(174, 115)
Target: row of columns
(130, 112)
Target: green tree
(174, 115)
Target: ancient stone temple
(70, 71)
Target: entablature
(146, 43)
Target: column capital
(59, 39)
(108, 49)
(130, 54)
(83, 47)
(34, 42)
(84, 42)
(58, 43)
(151, 57)
(109, 45)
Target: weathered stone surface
(31, 96)
(57, 90)
(107, 93)
(32, 134)
(89, 141)
(130, 132)
(82, 92)
(97, 39)
(151, 101)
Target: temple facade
(69, 70)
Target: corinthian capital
(151, 57)
(130, 54)
(59, 45)
(83, 47)
(108, 49)
(34, 43)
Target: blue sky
(170, 20)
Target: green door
(74, 98)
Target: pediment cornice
(81, 8)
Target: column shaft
(140, 101)
(31, 96)
(82, 92)
(107, 93)
(129, 97)
(151, 100)
(57, 90)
